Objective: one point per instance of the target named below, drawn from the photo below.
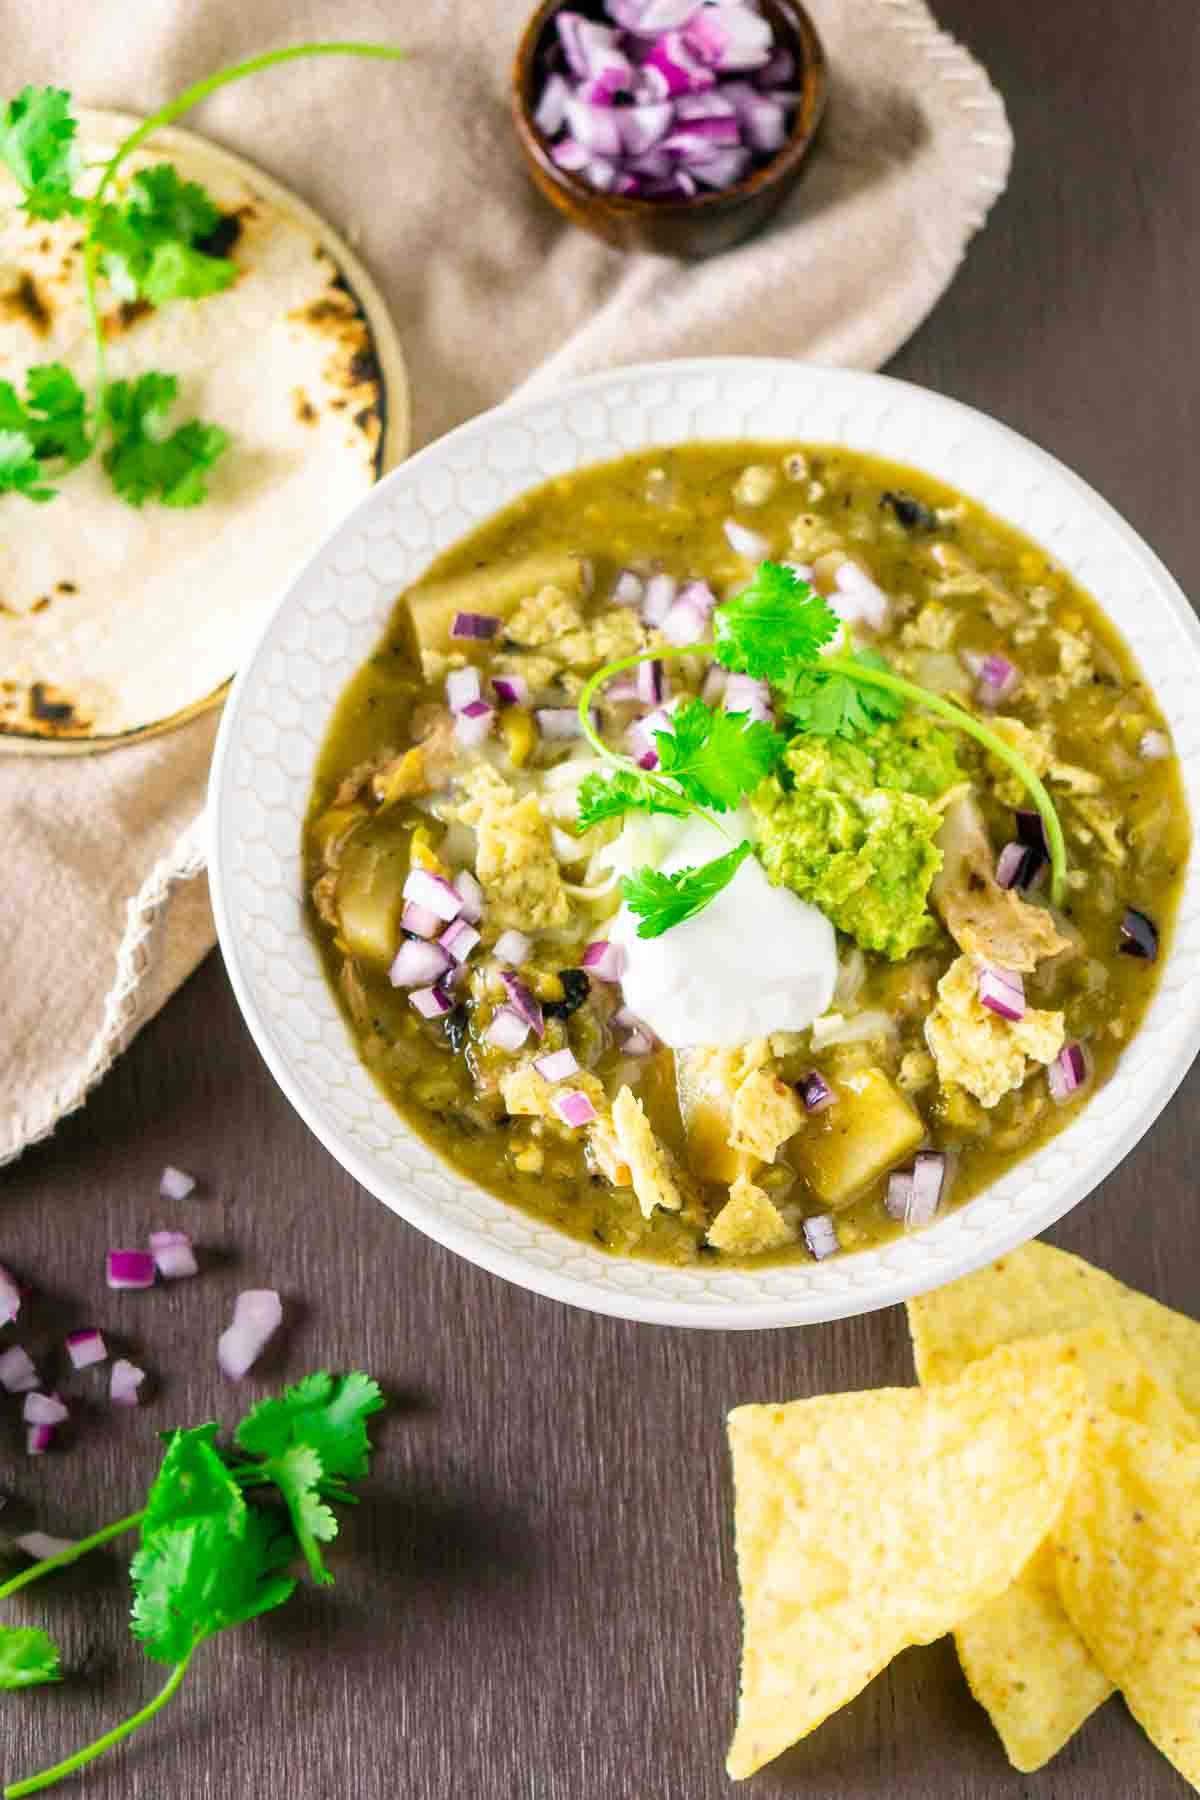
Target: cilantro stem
(36, 1783)
(953, 714)
(65, 1557)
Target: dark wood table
(537, 1601)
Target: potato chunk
(870, 1128)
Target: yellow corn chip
(1128, 1553)
(868, 1522)
(1022, 1657)
(1039, 1289)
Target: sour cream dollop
(758, 959)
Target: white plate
(333, 615)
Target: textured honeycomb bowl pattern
(329, 622)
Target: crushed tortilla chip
(839, 1569)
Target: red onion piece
(729, 37)
(658, 599)
(1031, 829)
(523, 1003)
(173, 1255)
(651, 683)
(41, 1546)
(719, 170)
(470, 896)
(930, 1169)
(510, 690)
(512, 947)
(604, 960)
(125, 1381)
(130, 1269)
(472, 724)
(44, 1409)
(627, 589)
(648, 760)
(552, 106)
(462, 687)
(478, 626)
(176, 1184)
(10, 1297)
(686, 623)
(719, 104)
(638, 1042)
(744, 542)
(595, 127)
(431, 1002)
(662, 15)
(699, 595)
(17, 1373)
(38, 1439)
(820, 1235)
(433, 891)
(507, 1030)
(257, 1316)
(858, 600)
(682, 72)
(778, 70)
(1139, 935)
(1019, 866)
(569, 155)
(641, 735)
(558, 722)
(421, 921)
(998, 681)
(816, 1092)
(1067, 1073)
(85, 1348)
(764, 123)
(1002, 991)
(417, 963)
(557, 1066)
(621, 690)
(459, 939)
(743, 694)
(641, 127)
(574, 1108)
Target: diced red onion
(257, 1316)
(478, 626)
(1139, 935)
(744, 542)
(713, 690)
(580, 39)
(507, 1030)
(17, 1373)
(682, 72)
(651, 683)
(686, 623)
(638, 1042)
(557, 1066)
(778, 70)
(510, 690)
(641, 127)
(699, 595)
(41, 1546)
(462, 687)
(44, 1409)
(38, 1439)
(552, 106)
(1019, 866)
(125, 1380)
(512, 947)
(858, 600)
(421, 921)
(1153, 746)
(816, 1092)
(661, 15)
(459, 939)
(729, 37)
(558, 722)
(130, 1269)
(898, 1197)
(998, 681)
(719, 104)
(173, 1255)
(928, 1184)
(470, 896)
(10, 1297)
(622, 690)
(651, 165)
(604, 960)
(701, 139)
(574, 1108)
(569, 155)
(641, 735)
(1031, 829)
(595, 127)
(658, 599)
(764, 122)
(523, 1002)
(431, 1002)
(433, 891)
(417, 962)
(601, 173)
(1002, 991)
(743, 694)
(176, 1184)
(85, 1348)
(1067, 1073)
(720, 170)
(648, 760)
(627, 589)
(611, 73)
(820, 1235)
(472, 724)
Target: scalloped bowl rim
(280, 706)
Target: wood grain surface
(537, 1601)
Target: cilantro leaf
(37, 145)
(298, 1472)
(145, 464)
(830, 703)
(327, 1412)
(610, 797)
(148, 241)
(661, 901)
(776, 621)
(20, 470)
(27, 1657)
(716, 757)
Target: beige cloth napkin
(103, 902)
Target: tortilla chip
(1023, 1659)
(1039, 1289)
(869, 1522)
(1128, 1548)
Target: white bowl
(332, 617)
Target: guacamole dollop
(851, 828)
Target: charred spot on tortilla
(26, 303)
(127, 315)
(44, 705)
(224, 234)
(306, 412)
(65, 587)
(41, 603)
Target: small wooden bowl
(709, 222)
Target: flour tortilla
(117, 623)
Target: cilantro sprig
(211, 1556)
(775, 630)
(148, 243)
